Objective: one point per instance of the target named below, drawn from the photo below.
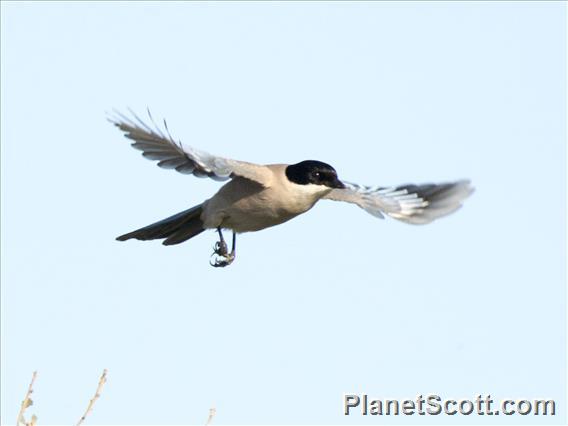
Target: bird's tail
(175, 229)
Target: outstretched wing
(171, 154)
(416, 204)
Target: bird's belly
(251, 218)
(244, 207)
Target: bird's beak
(338, 184)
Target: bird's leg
(234, 246)
(230, 257)
(220, 248)
(225, 258)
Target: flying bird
(258, 196)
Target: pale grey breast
(245, 206)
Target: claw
(221, 249)
(223, 261)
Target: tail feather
(175, 229)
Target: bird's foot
(221, 249)
(223, 257)
(222, 260)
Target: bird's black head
(313, 172)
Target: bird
(257, 196)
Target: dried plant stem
(212, 412)
(26, 403)
(102, 381)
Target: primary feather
(416, 204)
(160, 146)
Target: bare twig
(212, 412)
(26, 403)
(102, 381)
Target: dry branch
(26, 403)
(212, 412)
(102, 381)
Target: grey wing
(160, 146)
(416, 204)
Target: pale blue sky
(335, 301)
